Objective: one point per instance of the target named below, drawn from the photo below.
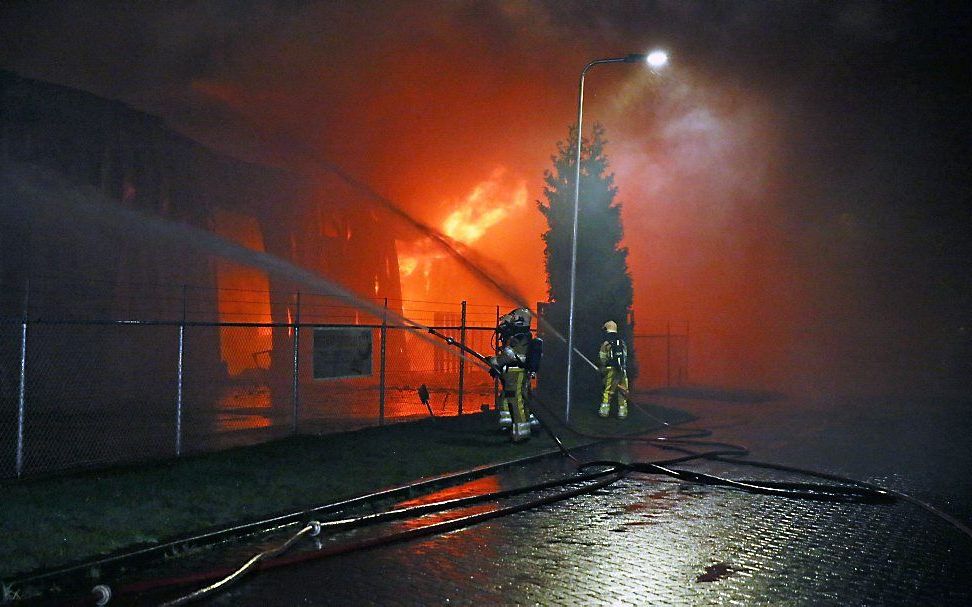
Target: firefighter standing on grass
(516, 362)
(612, 361)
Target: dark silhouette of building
(84, 147)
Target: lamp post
(656, 60)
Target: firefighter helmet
(515, 322)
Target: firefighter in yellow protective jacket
(516, 362)
(612, 361)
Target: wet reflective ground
(651, 540)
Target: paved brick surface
(653, 541)
(649, 542)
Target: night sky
(796, 185)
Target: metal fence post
(496, 394)
(462, 359)
(668, 362)
(296, 362)
(23, 383)
(381, 373)
(182, 337)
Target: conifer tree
(603, 288)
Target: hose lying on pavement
(850, 490)
(904, 496)
(858, 492)
(812, 491)
(272, 558)
(312, 529)
(853, 490)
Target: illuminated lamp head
(657, 59)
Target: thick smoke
(796, 186)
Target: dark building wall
(135, 159)
(131, 158)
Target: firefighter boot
(622, 410)
(505, 419)
(521, 431)
(604, 410)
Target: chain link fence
(94, 376)
(662, 354)
(10, 342)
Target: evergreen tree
(603, 289)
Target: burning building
(318, 223)
(87, 146)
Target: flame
(415, 263)
(407, 265)
(244, 295)
(427, 271)
(488, 203)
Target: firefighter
(612, 361)
(516, 362)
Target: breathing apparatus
(512, 334)
(514, 344)
(618, 353)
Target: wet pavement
(654, 540)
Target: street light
(656, 60)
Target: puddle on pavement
(714, 573)
(478, 486)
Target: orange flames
(488, 203)
(424, 267)
(244, 296)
